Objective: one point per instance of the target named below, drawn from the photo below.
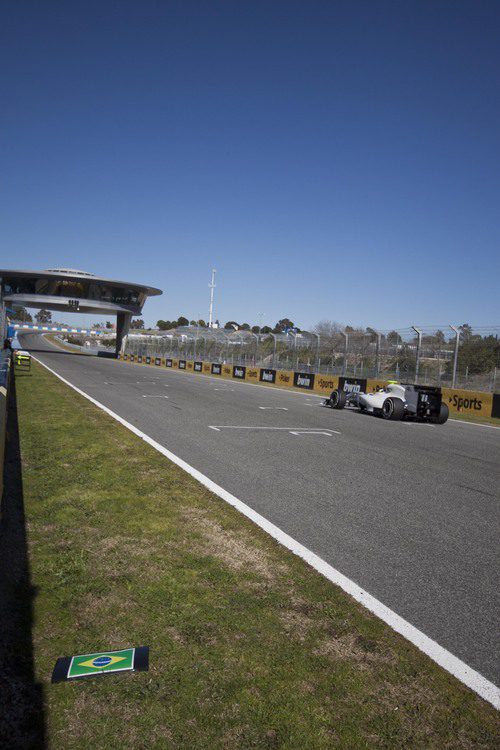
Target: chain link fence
(454, 356)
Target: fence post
(377, 355)
(274, 350)
(455, 358)
(317, 352)
(417, 357)
(346, 347)
(257, 341)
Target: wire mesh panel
(444, 355)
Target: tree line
(282, 326)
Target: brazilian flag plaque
(104, 662)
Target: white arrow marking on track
(299, 430)
(311, 432)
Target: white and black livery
(396, 401)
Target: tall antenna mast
(211, 286)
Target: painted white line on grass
(148, 396)
(459, 669)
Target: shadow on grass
(66, 353)
(22, 722)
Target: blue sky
(330, 159)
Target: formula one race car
(396, 401)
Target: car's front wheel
(393, 408)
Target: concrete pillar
(123, 321)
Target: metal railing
(455, 356)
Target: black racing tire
(444, 413)
(393, 408)
(337, 399)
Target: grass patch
(250, 648)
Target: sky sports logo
(182, 364)
(459, 402)
(303, 380)
(168, 363)
(216, 369)
(198, 366)
(239, 372)
(157, 361)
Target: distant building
(68, 290)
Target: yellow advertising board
(206, 368)
(253, 374)
(468, 402)
(284, 378)
(190, 365)
(325, 383)
(227, 371)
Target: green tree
(21, 314)
(138, 323)
(477, 355)
(231, 325)
(266, 329)
(245, 327)
(182, 321)
(466, 332)
(394, 338)
(202, 323)
(255, 329)
(282, 325)
(43, 316)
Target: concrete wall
(5, 367)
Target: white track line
(473, 424)
(459, 669)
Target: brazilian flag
(102, 662)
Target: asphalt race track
(407, 511)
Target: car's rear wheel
(444, 413)
(337, 399)
(393, 408)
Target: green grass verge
(250, 648)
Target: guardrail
(5, 372)
(479, 403)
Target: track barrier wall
(5, 374)
(477, 403)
